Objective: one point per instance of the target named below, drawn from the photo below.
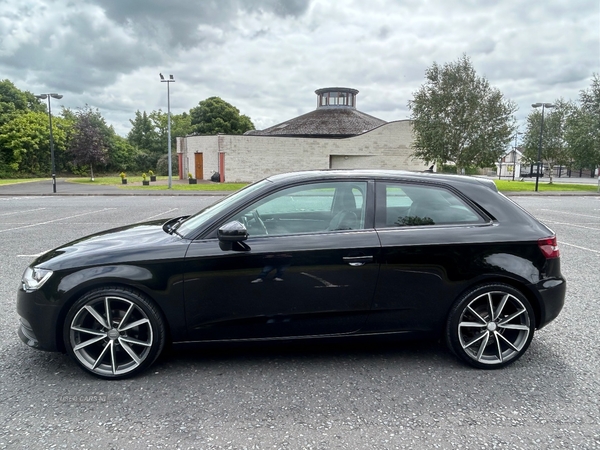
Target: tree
(89, 144)
(25, 143)
(583, 127)
(555, 150)
(13, 100)
(214, 115)
(458, 117)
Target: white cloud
(267, 57)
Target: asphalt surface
(383, 396)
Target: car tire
(491, 326)
(114, 333)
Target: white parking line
(163, 213)
(571, 224)
(21, 212)
(33, 256)
(578, 246)
(55, 220)
(569, 213)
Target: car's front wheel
(114, 333)
(491, 326)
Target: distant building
(509, 165)
(335, 135)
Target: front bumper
(39, 321)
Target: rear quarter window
(409, 205)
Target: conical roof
(336, 116)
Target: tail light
(549, 247)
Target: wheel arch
(520, 286)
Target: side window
(404, 205)
(312, 208)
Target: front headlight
(34, 278)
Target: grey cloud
(177, 22)
(485, 46)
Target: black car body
(304, 255)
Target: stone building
(334, 136)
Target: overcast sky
(267, 57)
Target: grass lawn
(529, 186)
(135, 183)
(20, 180)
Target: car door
(430, 235)
(309, 269)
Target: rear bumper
(552, 294)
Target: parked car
(307, 255)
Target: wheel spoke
(511, 317)
(472, 325)
(510, 344)
(99, 359)
(134, 324)
(490, 305)
(476, 314)
(130, 351)
(131, 340)
(510, 326)
(113, 360)
(498, 347)
(88, 342)
(126, 316)
(500, 307)
(88, 331)
(107, 310)
(97, 316)
(486, 338)
(475, 339)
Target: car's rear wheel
(114, 333)
(491, 326)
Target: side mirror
(231, 236)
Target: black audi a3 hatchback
(306, 255)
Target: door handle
(356, 261)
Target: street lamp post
(44, 97)
(539, 161)
(169, 81)
(515, 154)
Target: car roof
(337, 174)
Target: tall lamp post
(539, 161)
(515, 154)
(169, 81)
(44, 97)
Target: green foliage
(458, 117)
(25, 143)
(149, 135)
(555, 150)
(14, 101)
(162, 167)
(413, 221)
(214, 115)
(89, 144)
(450, 168)
(583, 127)
(121, 154)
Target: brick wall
(250, 158)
